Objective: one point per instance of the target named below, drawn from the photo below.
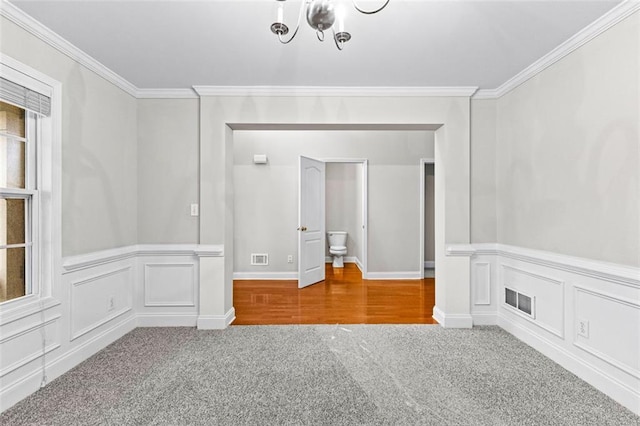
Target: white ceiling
(179, 44)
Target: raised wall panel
(26, 344)
(613, 328)
(170, 284)
(547, 291)
(482, 284)
(100, 298)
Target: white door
(311, 210)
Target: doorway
(427, 218)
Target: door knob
(302, 228)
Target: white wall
(167, 170)
(266, 195)
(99, 149)
(568, 153)
(483, 171)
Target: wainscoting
(100, 297)
(585, 314)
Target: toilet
(337, 247)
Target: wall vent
(519, 301)
(259, 259)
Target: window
(29, 189)
(18, 196)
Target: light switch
(194, 210)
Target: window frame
(30, 195)
(43, 192)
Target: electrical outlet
(111, 303)
(290, 258)
(583, 328)
(195, 211)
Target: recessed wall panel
(169, 284)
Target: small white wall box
(260, 159)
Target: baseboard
(394, 275)
(65, 362)
(265, 275)
(216, 322)
(485, 318)
(429, 264)
(167, 320)
(452, 320)
(346, 259)
(602, 381)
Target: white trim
(265, 275)
(625, 275)
(84, 261)
(34, 27)
(359, 265)
(629, 369)
(404, 275)
(345, 259)
(591, 31)
(484, 318)
(462, 250)
(202, 250)
(166, 94)
(301, 91)
(452, 320)
(602, 381)
(33, 306)
(40, 352)
(216, 322)
(167, 319)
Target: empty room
(320, 212)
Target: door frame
(423, 175)
(365, 206)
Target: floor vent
(519, 301)
(259, 259)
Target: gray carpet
(333, 375)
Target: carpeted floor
(333, 375)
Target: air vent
(259, 259)
(519, 301)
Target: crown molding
(166, 94)
(588, 33)
(34, 27)
(333, 91)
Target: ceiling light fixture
(321, 15)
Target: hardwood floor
(344, 298)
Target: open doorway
(340, 202)
(346, 207)
(427, 218)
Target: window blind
(24, 98)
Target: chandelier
(321, 15)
